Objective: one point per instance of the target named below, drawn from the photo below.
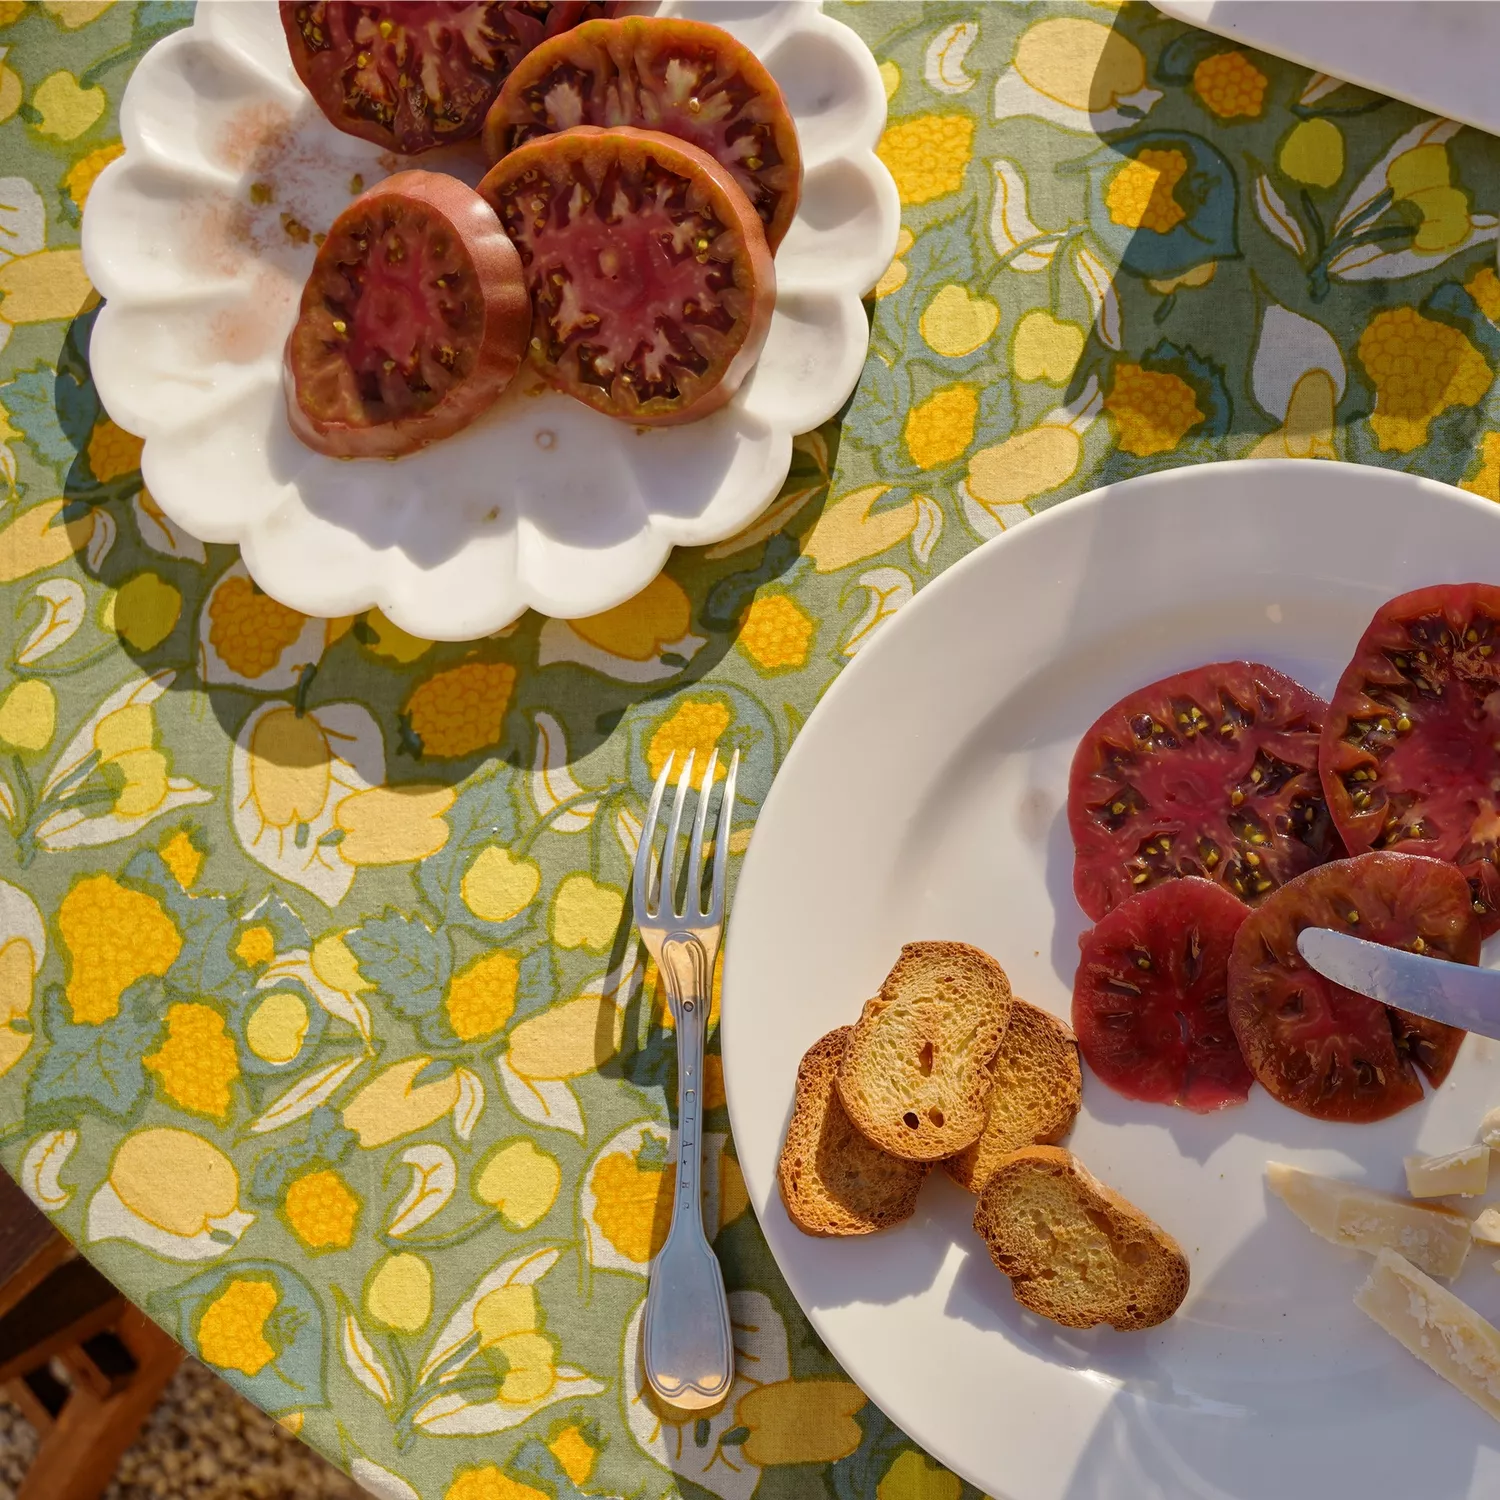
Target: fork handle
(686, 1340)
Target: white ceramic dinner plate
(1440, 55)
(198, 237)
(926, 799)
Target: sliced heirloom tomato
(1318, 1047)
(414, 74)
(689, 79)
(651, 283)
(1150, 997)
(1411, 745)
(1212, 772)
(414, 319)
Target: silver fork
(686, 1340)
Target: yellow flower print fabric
(321, 1026)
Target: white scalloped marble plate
(542, 503)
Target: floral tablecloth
(320, 1024)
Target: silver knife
(1455, 994)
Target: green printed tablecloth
(320, 1028)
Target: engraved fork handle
(687, 1343)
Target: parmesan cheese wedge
(1346, 1213)
(1465, 1172)
(1489, 1128)
(1444, 1332)
(1486, 1228)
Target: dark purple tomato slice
(689, 79)
(414, 319)
(414, 74)
(651, 283)
(1150, 997)
(1318, 1047)
(1214, 773)
(1411, 745)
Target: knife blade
(1455, 994)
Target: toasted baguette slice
(916, 1074)
(1076, 1252)
(1035, 1097)
(833, 1181)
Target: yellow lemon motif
(11, 90)
(927, 156)
(957, 323)
(32, 542)
(1230, 85)
(1153, 409)
(1045, 348)
(146, 611)
(1422, 177)
(800, 1421)
(182, 857)
(585, 914)
(392, 641)
(75, 13)
(488, 1483)
(638, 629)
(392, 825)
(1420, 368)
(336, 966)
(634, 1200)
(17, 977)
(695, 726)
(196, 1064)
(322, 1210)
(125, 741)
(1307, 431)
(66, 109)
(249, 629)
(80, 178)
(399, 1294)
(462, 710)
(775, 633)
(506, 1311)
(914, 1476)
(567, 1040)
(114, 937)
(1025, 466)
(44, 287)
(174, 1180)
(890, 77)
(942, 426)
(574, 1453)
(498, 886)
(289, 768)
(850, 529)
(520, 1181)
(1081, 64)
(896, 273)
(231, 1332)
(389, 1107)
(28, 715)
(1194, 276)
(277, 1027)
(1313, 152)
(482, 997)
(113, 453)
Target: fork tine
(666, 900)
(642, 889)
(722, 830)
(695, 853)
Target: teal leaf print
(411, 966)
(31, 399)
(484, 813)
(205, 965)
(880, 405)
(89, 1066)
(943, 253)
(325, 1143)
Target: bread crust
(833, 1181)
(915, 1077)
(1075, 1250)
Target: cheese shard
(1443, 1331)
(1435, 1238)
(1465, 1172)
(1486, 1228)
(1489, 1128)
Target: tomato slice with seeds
(414, 319)
(1318, 1047)
(651, 282)
(689, 79)
(1150, 997)
(414, 74)
(1411, 746)
(1212, 772)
